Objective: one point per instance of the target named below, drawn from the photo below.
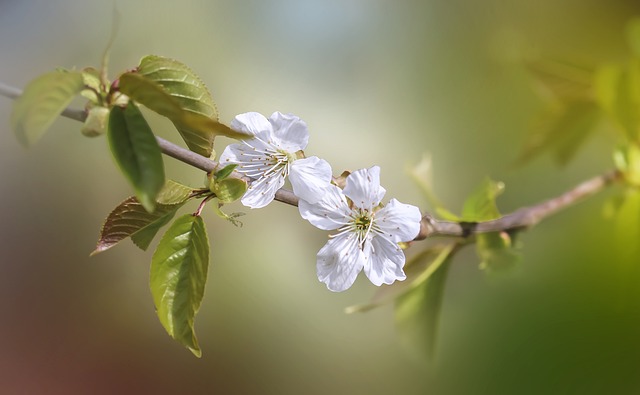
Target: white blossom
(367, 234)
(272, 155)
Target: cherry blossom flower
(273, 154)
(368, 234)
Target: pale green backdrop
(378, 82)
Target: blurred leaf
(627, 224)
(137, 153)
(481, 204)
(178, 276)
(417, 312)
(633, 35)
(560, 81)
(561, 129)
(418, 270)
(197, 130)
(496, 251)
(627, 160)
(91, 78)
(618, 93)
(422, 175)
(41, 103)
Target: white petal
(262, 191)
(384, 261)
(310, 178)
(339, 262)
(252, 123)
(399, 221)
(251, 162)
(290, 132)
(330, 213)
(363, 188)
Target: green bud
(96, 122)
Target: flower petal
(399, 221)
(290, 133)
(339, 262)
(331, 212)
(363, 188)
(262, 191)
(310, 178)
(384, 261)
(252, 123)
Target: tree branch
(524, 217)
(430, 227)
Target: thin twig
(522, 218)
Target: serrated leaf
(181, 83)
(417, 312)
(481, 204)
(562, 130)
(136, 151)
(496, 251)
(130, 219)
(618, 93)
(174, 193)
(41, 103)
(418, 270)
(178, 277)
(197, 130)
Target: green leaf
(230, 189)
(196, 130)
(137, 153)
(41, 103)
(481, 204)
(618, 93)
(91, 78)
(178, 276)
(179, 81)
(422, 175)
(633, 35)
(496, 251)
(627, 225)
(627, 160)
(417, 312)
(175, 193)
(561, 129)
(225, 172)
(560, 81)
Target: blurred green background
(378, 82)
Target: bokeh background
(378, 82)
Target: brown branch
(430, 227)
(524, 217)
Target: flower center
(362, 221)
